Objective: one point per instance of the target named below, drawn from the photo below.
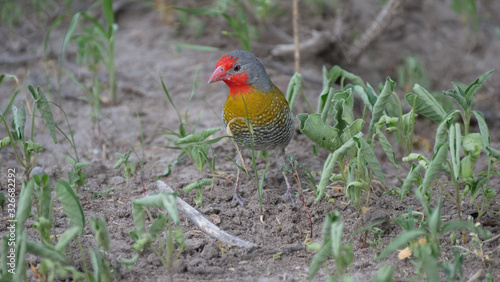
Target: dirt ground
(448, 47)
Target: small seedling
(333, 248)
(76, 177)
(128, 166)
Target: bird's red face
(229, 71)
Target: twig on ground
(376, 27)
(204, 224)
(296, 39)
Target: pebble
(117, 180)
(209, 252)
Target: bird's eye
(237, 68)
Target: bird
(253, 97)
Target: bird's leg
(236, 194)
(281, 160)
(288, 192)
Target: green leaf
(66, 238)
(336, 232)
(455, 142)
(209, 12)
(435, 220)
(195, 47)
(319, 259)
(293, 90)
(457, 95)
(47, 34)
(472, 145)
(462, 224)
(24, 205)
(44, 195)
(329, 77)
(2, 201)
(424, 102)
(343, 109)
(158, 225)
(483, 128)
(319, 132)
(364, 96)
(20, 254)
(207, 132)
(101, 232)
(330, 163)
(107, 6)
(368, 155)
(493, 152)
(197, 184)
(45, 111)
(191, 138)
(67, 37)
(356, 80)
(435, 166)
(474, 86)
(387, 147)
(382, 100)
(400, 242)
(411, 178)
(162, 200)
(385, 274)
(122, 159)
(442, 130)
(129, 263)
(71, 204)
(5, 142)
(18, 121)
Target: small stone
(180, 266)
(117, 180)
(236, 220)
(37, 170)
(153, 259)
(215, 218)
(209, 252)
(195, 244)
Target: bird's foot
(290, 196)
(240, 199)
(288, 193)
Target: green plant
(128, 167)
(24, 146)
(332, 233)
(53, 260)
(198, 184)
(173, 235)
(468, 9)
(374, 238)
(197, 146)
(100, 265)
(427, 252)
(334, 128)
(410, 72)
(450, 139)
(238, 22)
(76, 177)
(11, 11)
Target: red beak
(219, 74)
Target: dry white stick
(296, 39)
(376, 27)
(317, 43)
(204, 224)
